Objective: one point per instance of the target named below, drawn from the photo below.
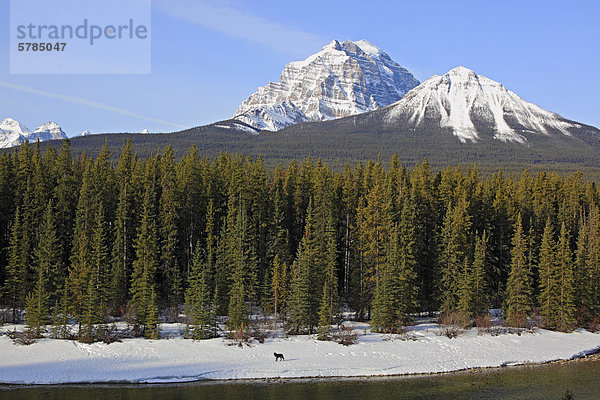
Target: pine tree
(36, 304)
(329, 299)
(396, 291)
(237, 310)
(172, 283)
(581, 276)
(372, 225)
(80, 270)
(46, 263)
(303, 301)
(122, 249)
(143, 286)
(479, 305)
(198, 298)
(593, 260)
(518, 287)
(279, 287)
(548, 299)
(466, 295)
(97, 295)
(16, 270)
(453, 252)
(565, 308)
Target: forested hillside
(89, 239)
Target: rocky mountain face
(13, 133)
(343, 79)
(474, 108)
(48, 131)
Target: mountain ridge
(344, 78)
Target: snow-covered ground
(178, 360)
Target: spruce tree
(593, 260)
(170, 273)
(36, 304)
(565, 307)
(329, 299)
(124, 230)
(455, 248)
(237, 311)
(143, 285)
(279, 287)
(47, 263)
(479, 305)
(303, 301)
(581, 276)
(198, 298)
(518, 287)
(80, 270)
(16, 270)
(466, 295)
(396, 290)
(549, 289)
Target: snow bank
(179, 360)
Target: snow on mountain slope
(48, 131)
(471, 104)
(344, 78)
(12, 133)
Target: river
(550, 381)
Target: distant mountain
(344, 78)
(472, 106)
(48, 131)
(457, 118)
(13, 133)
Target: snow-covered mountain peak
(472, 105)
(368, 47)
(342, 79)
(48, 131)
(13, 126)
(13, 133)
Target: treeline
(87, 240)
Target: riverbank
(422, 351)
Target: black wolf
(278, 357)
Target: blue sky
(208, 56)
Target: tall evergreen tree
(581, 276)
(303, 301)
(16, 270)
(143, 286)
(480, 304)
(593, 260)
(396, 291)
(279, 287)
(565, 307)
(238, 294)
(548, 299)
(329, 299)
(47, 263)
(171, 276)
(518, 287)
(122, 249)
(455, 248)
(198, 299)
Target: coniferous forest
(85, 241)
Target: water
(582, 379)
